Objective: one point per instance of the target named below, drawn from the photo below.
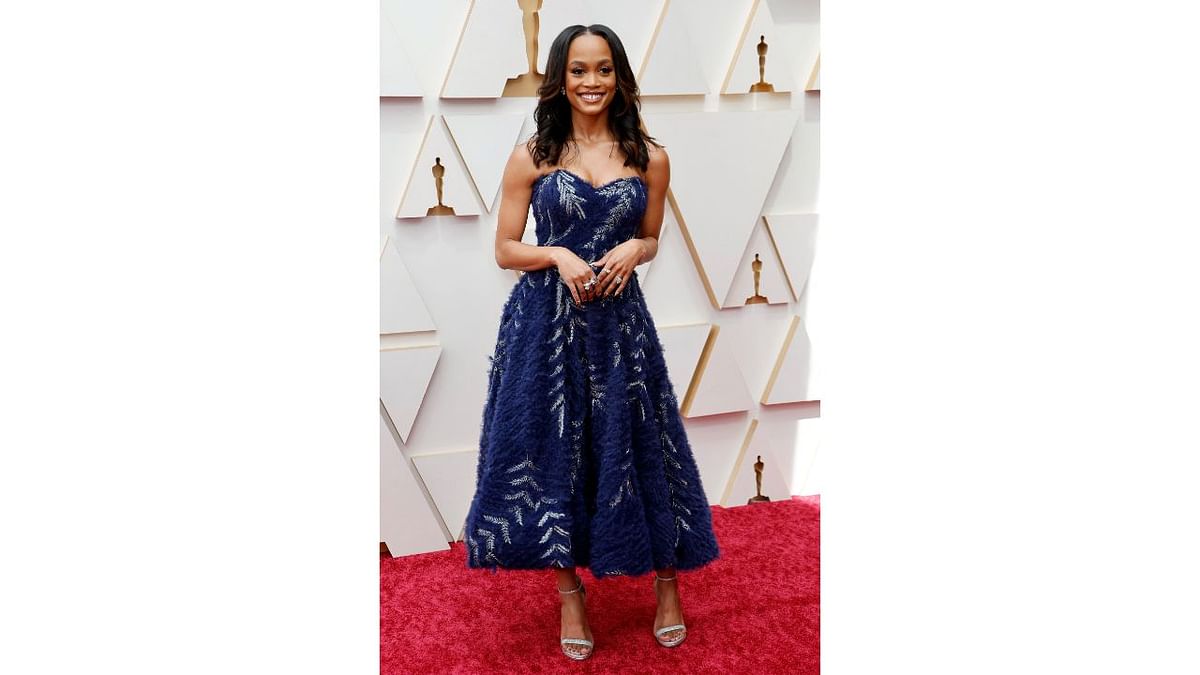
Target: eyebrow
(584, 63)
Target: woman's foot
(670, 610)
(574, 618)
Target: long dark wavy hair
(553, 113)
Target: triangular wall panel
(449, 477)
(406, 522)
(420, 190)
(401, 309)
(429, 31)
(795, 237)
(788, 382)
(715, 442)
(481, 141)
(675, 291)
(808, 477)
(743, 484)
(722, 166)
(397, 77)
(491, 49)
(772, 281)
(744, 70)
(672, 67)
(716, 28)
(682, 347)
(403, 379)
(719, 386)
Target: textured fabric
(583, 457)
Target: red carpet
(756, 609)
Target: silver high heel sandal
(658, 633)
(577, 641)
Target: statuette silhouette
(762, 85)
(758, 495)
(439, 173)
(756, 299)
(526, 84)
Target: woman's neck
(590, 129)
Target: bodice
(572, 213)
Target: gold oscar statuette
(762, 85)
(527, 83)
(758, 497)
(756, 299)
(439, 173)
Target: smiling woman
(584, 459)
(592, 91)
(588, 107)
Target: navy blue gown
(583, 457)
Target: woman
(583, 456)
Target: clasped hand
(615, 268)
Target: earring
(564, 91)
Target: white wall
(449, 260)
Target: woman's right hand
(574, 272)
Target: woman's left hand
(618, 263)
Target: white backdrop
(744, 182)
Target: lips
(592, 98)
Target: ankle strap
(665, 578)
(574, 590)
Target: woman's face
(591, 77)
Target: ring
(589, 283)
(618, 278)
(605, 271)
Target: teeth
(591, 97)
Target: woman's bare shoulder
(659, 164)
(521, 166)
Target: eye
(606, 70)
(577, 71)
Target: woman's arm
(511, 252)
(658, 179)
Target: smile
(592, 98)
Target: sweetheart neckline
(586, 182)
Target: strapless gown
(583, 456)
